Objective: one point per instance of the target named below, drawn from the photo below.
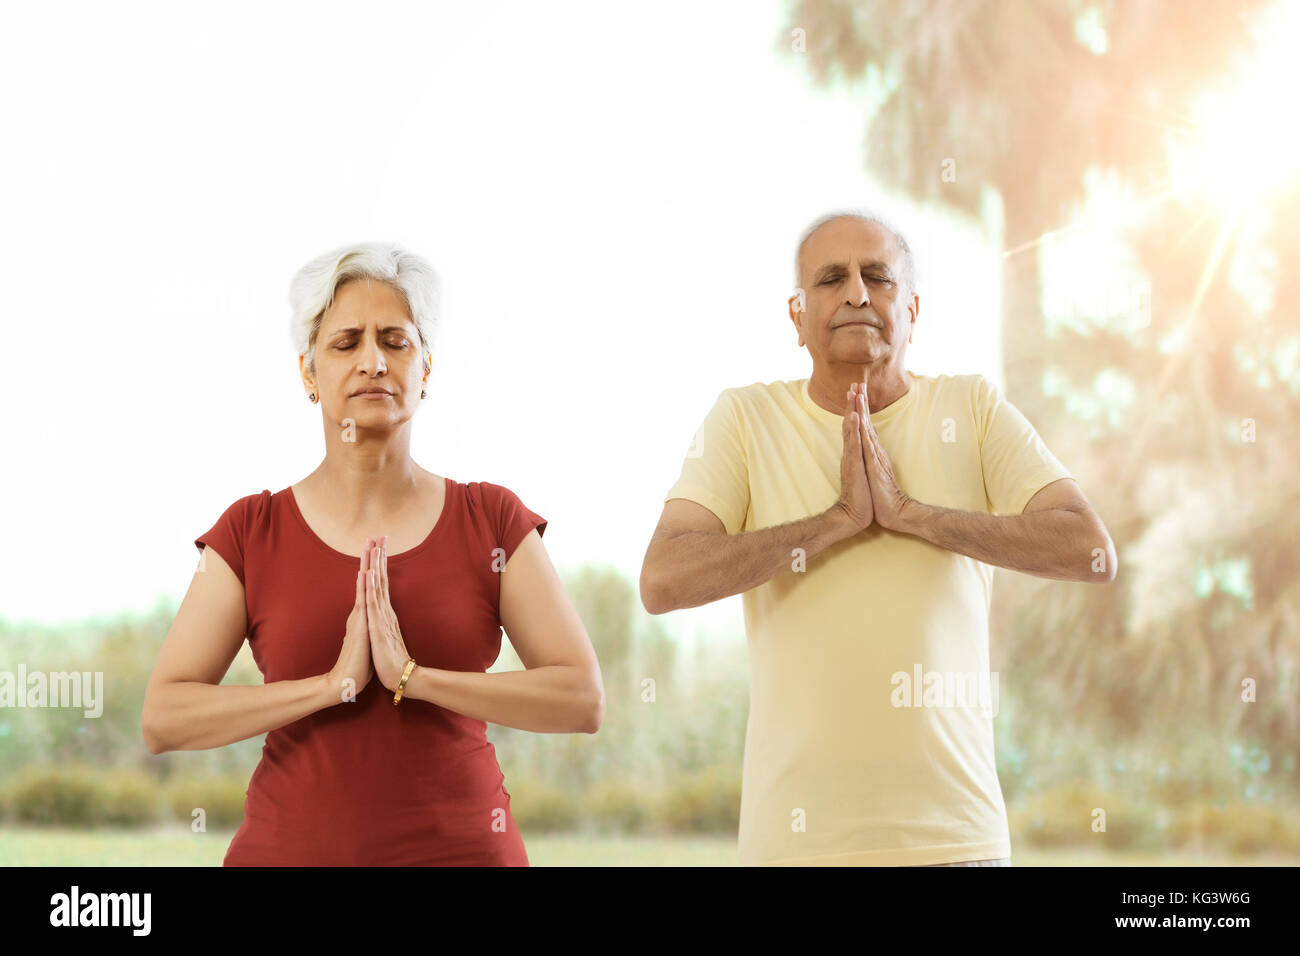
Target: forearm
(692, 568)
(191, 715)
(1052, 543)
(555, 699)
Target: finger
(383, 567)
(361, 591)
(372, 599)
(867, 428)
(868, 446)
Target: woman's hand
(387, 648)
(354, 667)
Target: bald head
(905, 264)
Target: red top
(362, 782)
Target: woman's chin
(390, 417)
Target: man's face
(857, 313)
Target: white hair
(313, 288)
(907, 264)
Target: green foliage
(1237, 827)
(131, 798)
(1066, 815)
(221, 798)
(705, 802)
(617, 807)
(72, 796)
(541, 808)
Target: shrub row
(708, 802)
(81, 796)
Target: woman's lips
(372, 395)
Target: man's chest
(796, 474)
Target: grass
(175, 845)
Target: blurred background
(1102, 197)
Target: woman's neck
(367, 481)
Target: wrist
(910, 517)
(839, 524)
(417, 685)
(329, 690)
(402, 679)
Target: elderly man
(860, 512)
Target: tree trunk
(1024, 338)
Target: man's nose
(855, 291)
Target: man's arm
(1058, 535)
(692, 560)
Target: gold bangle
(410, 666)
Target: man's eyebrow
(875, 264)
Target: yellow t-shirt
(860, 748)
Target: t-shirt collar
(878, 418)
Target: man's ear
(798, 307)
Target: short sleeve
(513, 519)
(715, 473)
(227, 536)
(1015, 461)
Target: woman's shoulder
(483, 498)
(490, 499)
(249, 511)
(498, 510)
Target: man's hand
(855, 491)
(888, 500)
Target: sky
(611, 197)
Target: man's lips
(871, 325)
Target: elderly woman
(372, 593)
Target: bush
(72, 796)
(130, 798)
(220, 797)
(1063, 816)
(541, 807)
(613, 805)
(708, 802)
(1237, 828)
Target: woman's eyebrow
(386, 329)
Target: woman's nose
(372, 359)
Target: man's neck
(829, 388)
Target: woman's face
(369, 365)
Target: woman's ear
(306, 379)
